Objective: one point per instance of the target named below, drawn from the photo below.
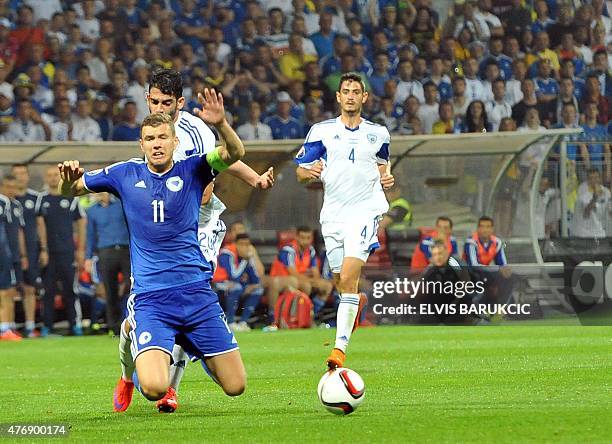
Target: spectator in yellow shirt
(292, 64)
(446, 124)
(541, 50)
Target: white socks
(345, 319)
(177, 369)
(125, 354)
(180, 358)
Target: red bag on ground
(293, 309)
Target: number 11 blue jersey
(162, 217)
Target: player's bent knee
(235, 386)
(154, 392)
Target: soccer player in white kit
(195, 137)
(350, 155)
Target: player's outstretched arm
(213, 113)
(244, 172)
(71, 179)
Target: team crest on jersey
(17, 212)
(29, 204)
(300, 153)
(174, 183)
(372, 138)
(144, 338)
(94, 172)
(64, 203)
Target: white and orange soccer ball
(341, 391)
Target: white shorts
(357, 238)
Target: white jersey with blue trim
(211, 229)
(195, 137)
(350, 174)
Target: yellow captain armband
(215, 161)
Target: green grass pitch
(423, 384)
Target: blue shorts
(31, 275)
(189, 315)
(7, 274)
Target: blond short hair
(158, 119)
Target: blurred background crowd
(78, 70)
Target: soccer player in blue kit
(172, 298)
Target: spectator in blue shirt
(189, 25)
(496, 46)
(225, 19)
(543, 21)
(323, 40)
(441, 80)
(129, 129)
(568, 69)
(331, 63)
(381, 73)
(108, 238)
(362, 63)
(237, 276)
(575, 151)
(356, 36)
(282, 124)
(547, 88)
(595, 135)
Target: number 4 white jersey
(350, 175)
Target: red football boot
(169, 403)
(122, 397)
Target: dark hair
(566, 104)
(19, 165)
(430, 83)
(485, 219)
(599, 52)
(592, 75)
(470, 123)
(438, 244)
(168, 81)
(445, 218)
(275, 10)
(354, 77)
(499, 79)
(242, 236)
(304, 229)
(25, 7)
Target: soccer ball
(341, 391)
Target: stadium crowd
(78, 71)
